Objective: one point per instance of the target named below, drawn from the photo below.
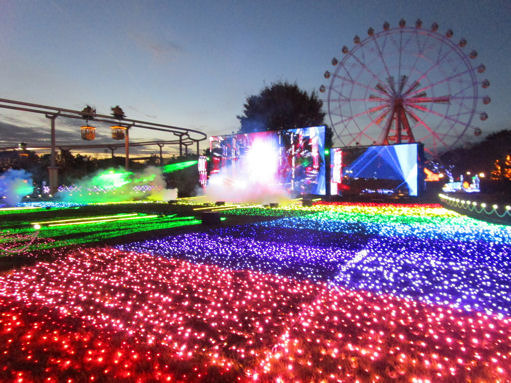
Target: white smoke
(119, 185)
(253, 178)
(14, 185)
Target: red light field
(99, 314)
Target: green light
(104, 220)
(19, 210)
(145, 179)
(111, 179)
(24, 188)
(178, 166)
(69, 232)
(327, 152)
(73, 220)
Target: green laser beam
(178, 166)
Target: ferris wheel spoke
(400, 53)
(466, 102)
(464, 98)
(364, 66)
(441, 57)
(353, 82)
(368, 99)
(346, 100)
(411, 88)
(428, 110)
(420, 53)
(419, 100)
(335, 100)
(431, 131)
(434, 66)
(380, 55)
(375, 121)
(438, 114)
(365, 112)
(462, 90)
(447, 79)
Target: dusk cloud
(67, 133)
(160, 48)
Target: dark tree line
(492, 155)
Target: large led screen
(302, 161)
(293, 159)
(389, 170)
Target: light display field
(341, 292)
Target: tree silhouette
(88, 113)
(117, 112)
(281, 106)
(489, 156)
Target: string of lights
(108, 314)
(480, 208)
(344, 292)
(68, 232)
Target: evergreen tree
(282, 106)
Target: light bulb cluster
(98, 189)
(331, 292)
(292, 259)
(429, 228)
(107, 314)
(501, 213)
(472, 275)
(19, 210)
(66, 232)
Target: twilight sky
(193, 63)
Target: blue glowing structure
(390, 169)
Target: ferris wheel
(403, 85)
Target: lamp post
(53, 170)
(161, 153)
(127, 148)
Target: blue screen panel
(392, 169)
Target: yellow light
(117, 132)
(105, 220)
(88, 132)
(85, 218)
(20, 208)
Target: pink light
(111, 314)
